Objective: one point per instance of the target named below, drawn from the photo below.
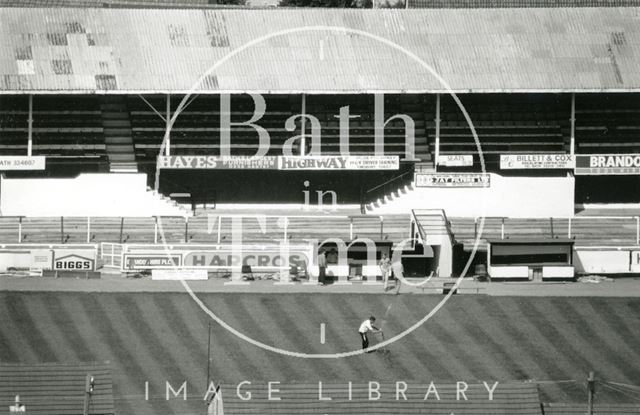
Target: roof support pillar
(167, 148)
(30, 127)
(572, 143)
(303, 125)
(437, 132)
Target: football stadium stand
(87, 95)
(88, 111)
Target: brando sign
(601, 164)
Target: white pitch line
(322, 333)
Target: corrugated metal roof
(149, 50)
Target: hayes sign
(281, 162)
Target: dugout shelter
(537, 259)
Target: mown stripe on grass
(65, 322)
(18, 310)
(596, 341)
(507, 366)
(529, 341)
(341, 334)
(7, 351)
(250, 358)
(156, 366)
(411, 368)
(360, 306)
(145, 323)
(129, 392)
(515, 353)
(600, 314)
(570, 333)
(448, 348)
(40, 308)
(294, 331)
(422, 347)
(540, 315)
(195, 325)
(468, 348)
(253, 313)
(185, 355)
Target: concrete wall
(603, 261)
(515, 197)
(86, 195)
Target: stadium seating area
(63, 126)
(505, 123)
(362, 129)
(92, 127)
(607, 123)
(197, 129)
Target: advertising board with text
(537, 161)
(607, 164)
(456, 160)
(280, 162)
(452, 180)
(151, 261)
(22, 163)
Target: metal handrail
(389, 181)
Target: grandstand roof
(475, 50)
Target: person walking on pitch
(366, 327)
(385, 268)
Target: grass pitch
(158, 337)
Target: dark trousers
(322, 273)
(365, 340)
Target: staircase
(117, 134)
